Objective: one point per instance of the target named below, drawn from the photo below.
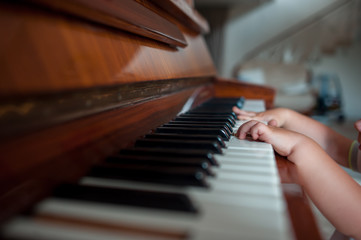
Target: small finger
(273, 123)
(256, 130)
(243, 112)
(244, 129)
(244, 118)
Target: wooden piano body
(82, 79)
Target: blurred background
(308, 50)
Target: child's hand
(282, 140)
(274, 117)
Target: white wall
(346, 63)
(243, 33)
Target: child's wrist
(303, 146)
(286, 116)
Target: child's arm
(336, 145)
(332, 190)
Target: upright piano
(114, 125)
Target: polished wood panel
(65, 152)
(127, 15)
(42, 52)
(183, 11)
(36, 112)
(233, 88)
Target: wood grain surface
(45, 52)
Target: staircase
(278, 30)
(275, 42)
(333, 27)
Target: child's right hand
(283, 141)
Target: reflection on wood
(127, 15)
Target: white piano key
(236, 169)
(245, 162)
(25, 228)
(243, 221)
(247, 188)
(248, 152)
(235, 142)
(236, 160)
(254, 105)
(247, 177)
(256, 168)
(211, 234)
(229, 193)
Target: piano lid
(128, 15)
(44, 51)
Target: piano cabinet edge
(233, 88)
(65, 152)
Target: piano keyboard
(233, 193)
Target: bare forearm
(333, 143)
(332, 190)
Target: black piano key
(226, 102)
(176, 153)
(187, 137)
(240, 102)
(186, 130)
(122, 196)
(214, 108)
(202, 115)
(224, 99)
(132, 160)
(210, 112)
(178, 176)
(204, 119)
(225, 125)
(229, 116)
(201, 125)
(176, 144)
